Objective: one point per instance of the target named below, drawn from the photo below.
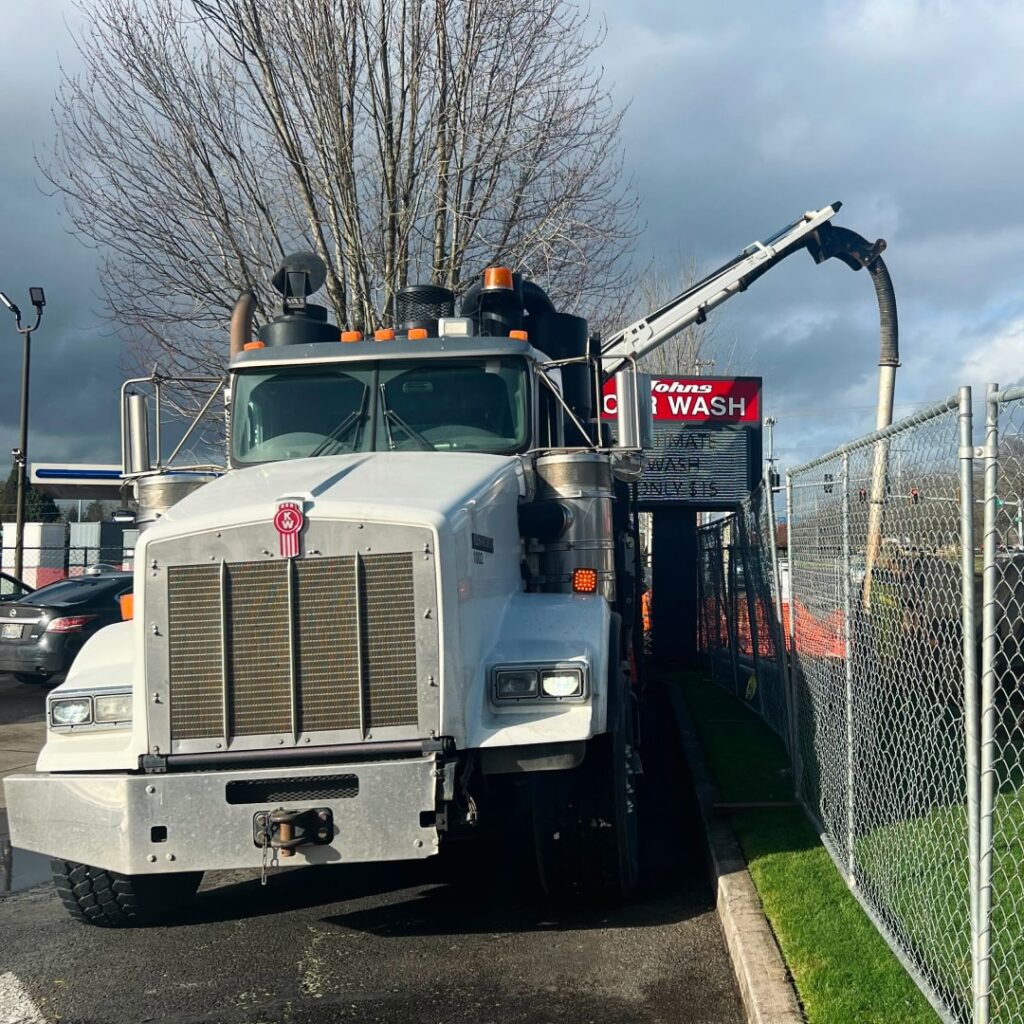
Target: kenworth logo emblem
(288, 521)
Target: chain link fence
(44, 565)
(876, 545)
(903, 706)
(739, 623)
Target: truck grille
(297, 646)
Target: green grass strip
(843, 969)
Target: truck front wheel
(585, 819)
(113, 900)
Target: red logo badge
(288, 521)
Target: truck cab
(417, 572)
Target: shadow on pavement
(491, 886)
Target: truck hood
(410, 486)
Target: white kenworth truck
(417, 576)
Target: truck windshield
(474, 404)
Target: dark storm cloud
(910, 113)
(741, 118)
(75, 357)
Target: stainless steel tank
(157, 493)
(582, 483)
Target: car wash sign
(707, 441)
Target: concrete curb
(764, 982)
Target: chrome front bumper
(118, 821)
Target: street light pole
(38, 299)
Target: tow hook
(284, 831)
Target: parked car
(41, 633)
(12, 589)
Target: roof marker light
(416, 333)
(519, 335)
(250, 345)
(347, 336)
(384, 334)
(498, 277)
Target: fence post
(748, 583)
(983, 951)
(732, 607)
(701, 645)
(773, 548)
(794, 730)
(968, 627)
(851, 862)
(716, 568)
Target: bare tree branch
(400, 140)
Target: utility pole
(38, 299)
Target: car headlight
(562, 682)
(515, 684)
(71, 711)
(113, 707)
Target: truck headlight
(538, 684)
(113, 707)
(71, 711)
(515, 684)
(562, 682)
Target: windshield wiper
(390, 416)
(338, 434)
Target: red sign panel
(698, 399)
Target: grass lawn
(923, 860)
(843, 969)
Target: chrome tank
(158, 492)
(582, 483)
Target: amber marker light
(348, 336)
(584, 581)
(416, 333)
(498, 277)
(127, 602)
(519, 335)
(384, 334)
(250, 345)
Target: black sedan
(12, 589)
(40, 634)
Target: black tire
(112, 900)
(33, 678)
(585, 823)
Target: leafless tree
(698, 350)
(401, 140)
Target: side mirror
(635, 427)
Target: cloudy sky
(911, 113)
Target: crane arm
(692, 305)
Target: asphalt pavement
(459, 939)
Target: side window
(549, 417)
